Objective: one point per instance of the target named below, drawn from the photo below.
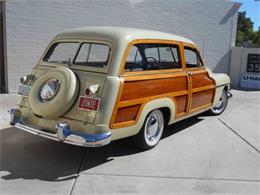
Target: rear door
(202, 87)
(152, 69)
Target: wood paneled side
(127, 114)
(181, 103)
(202, 98)
(201, 80)
(146, 88)
(135, 93)
(189, 93)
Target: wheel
(151, 132)
(221, 105)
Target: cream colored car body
(98, 122)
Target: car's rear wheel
(221, 105)
(151, 132)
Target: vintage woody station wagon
(98, 84)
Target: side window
(192, 58)
(144, 57)
(133, 60)
(169, 57)
(152, 53)
(166, 54)
(133, 54)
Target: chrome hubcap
(154, 128)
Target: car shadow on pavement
(125, 147)
(27, 156)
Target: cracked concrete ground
(200, 155)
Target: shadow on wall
(31, 157)
(230, 13)
(223, 64)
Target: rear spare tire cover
(63, 98)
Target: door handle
(189, 74)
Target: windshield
(84, 54)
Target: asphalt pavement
(200, 155)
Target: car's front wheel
(151, 132)
(221, 105)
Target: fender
(147, 108)
(222, 81)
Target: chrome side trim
(229, 94)
(226, 84)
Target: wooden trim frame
(140, 41)
(140, 87)
(141, 78)
(140, 97)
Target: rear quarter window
(192, 58)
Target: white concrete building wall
(31, 24)
(238, 64)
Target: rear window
(84, 54)
(92, 54)
(61, 53)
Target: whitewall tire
(221, 105)
(151, 132)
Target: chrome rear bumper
(65, 134)
(82, 139)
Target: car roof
(119, 34)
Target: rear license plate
(24, 90)
(88, 103)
